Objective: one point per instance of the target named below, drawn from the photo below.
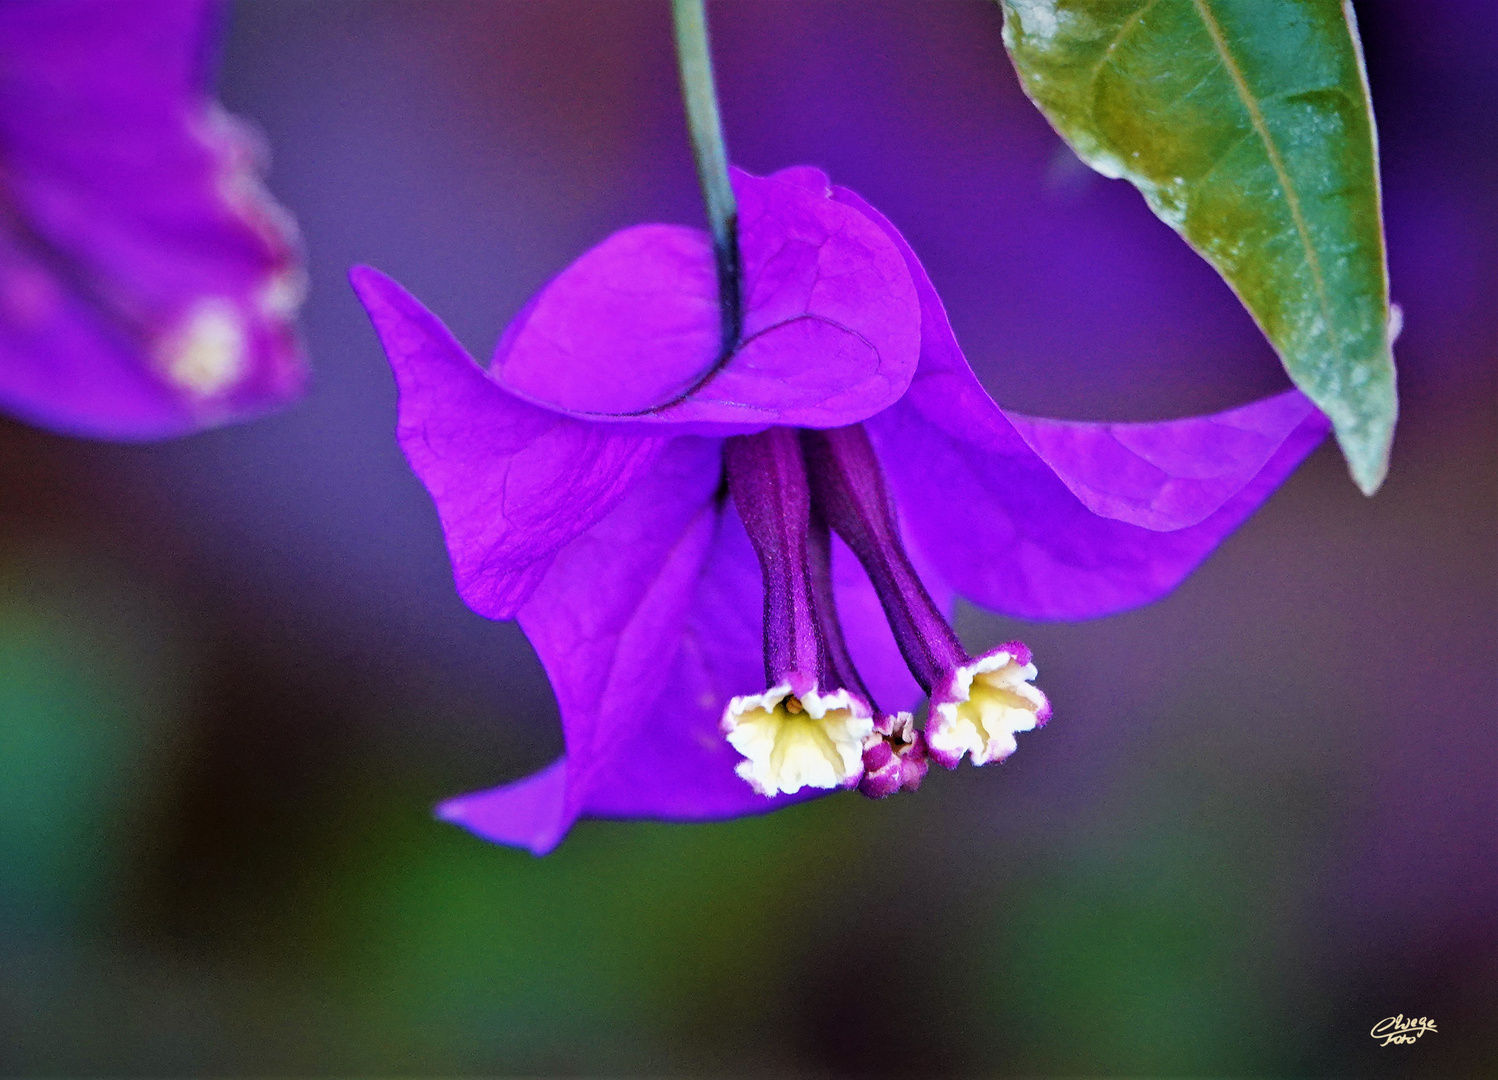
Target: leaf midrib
(1256, 118)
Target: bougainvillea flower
(147, 281)
(661, 515)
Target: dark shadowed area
(234, 675)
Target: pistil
(894, 757)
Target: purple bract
(147, 281)
(660, 517)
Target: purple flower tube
(808, 728)
(977, 704)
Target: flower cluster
(658, 512)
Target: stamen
(819, 566)
(894, 754)
(767, 480)
(848, 485)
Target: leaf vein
(1256, 117)
(1123, 31)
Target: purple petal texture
(1002, 523)
(630, 325)
(606, 620)
(513, 483)
(831, 322)
(668, 760)
(646, 626)
(679, 767)
(147, 280)
(1048, 519)
(528, 813)
(1164, 476)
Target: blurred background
(234, 676)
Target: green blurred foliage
(627, 940)
(1149, 944)
(86, 680)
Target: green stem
(701, 96)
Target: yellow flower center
(789, 742)
(999, 702)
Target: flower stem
(701, 97)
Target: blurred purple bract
(148, 282)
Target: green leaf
(1247, 126)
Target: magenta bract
(581, 487)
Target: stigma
(792, 741)
(983, 704)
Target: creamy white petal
(790, 742)
(988, 701)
